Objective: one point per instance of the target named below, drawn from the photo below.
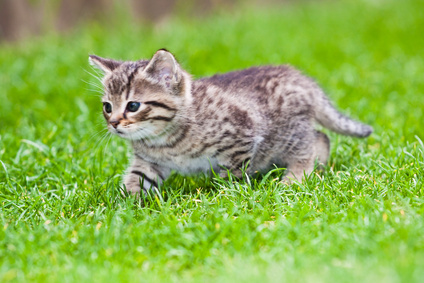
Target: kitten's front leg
(144, 174)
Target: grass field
(62, 216)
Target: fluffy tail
(329, 117)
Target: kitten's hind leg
(318, 150)
(322, 148)
(298, 168)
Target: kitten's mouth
(123, 134)
(120, 133)
(128, 134)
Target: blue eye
(108, 107)
(133, 106)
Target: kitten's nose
(114, 123)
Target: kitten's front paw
(132, 185)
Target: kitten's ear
(103, 64)
(163, 69)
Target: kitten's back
(284, 88)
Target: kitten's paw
(133, 189)
(133, 186)
(137, 182)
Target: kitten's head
(143, 99)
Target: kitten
(257, 117)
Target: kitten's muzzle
(114, 123)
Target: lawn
(63, 217)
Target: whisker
(109, 134)
(99, 88)
(97, 93)
(97, 75)
(96, 134)
(103, 137)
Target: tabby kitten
(258, 117)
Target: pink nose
(114, 123)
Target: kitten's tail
(329, 117)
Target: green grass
(63, 217)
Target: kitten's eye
(108, 107)
(133, 106)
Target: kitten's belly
(184, 164)
(192, 165)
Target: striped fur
(260, 116)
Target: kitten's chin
(131, 137)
